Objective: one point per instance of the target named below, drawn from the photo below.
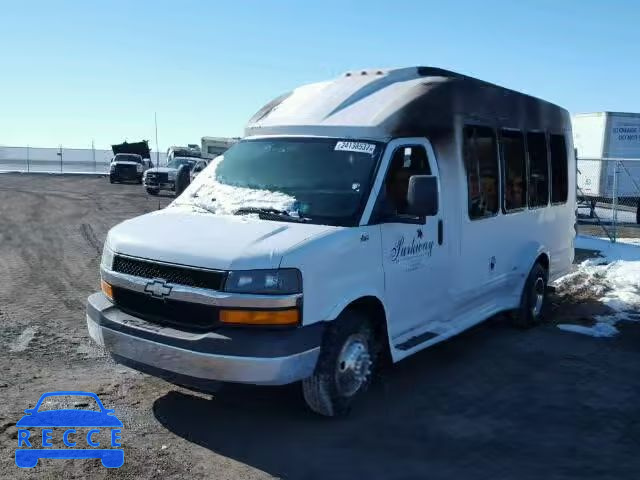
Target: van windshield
(178, 162)
(323, 180)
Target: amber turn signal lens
(107, 289)
(260, 317)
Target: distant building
(214, 146)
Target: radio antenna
(155, 119)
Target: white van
(361, 219)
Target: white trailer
(601, 139)
(214, 146)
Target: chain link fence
(608, 191)
(60, 160)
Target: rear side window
(538, 170)
(559, 169)
(514, 163)
(481, 165)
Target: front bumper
(243, 355)
(159, 184)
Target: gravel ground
(494, 402)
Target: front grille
(128, 171)
(158, 177)
(211, 279)
(182, 315)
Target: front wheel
(348, 356)
(152, 191)
(533, 301)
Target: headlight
(171, 175)
(138, 168)
(112, 167)
(268, 282)
(107, 257)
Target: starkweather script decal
(360, 147)
(416, 248)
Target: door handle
(440, 232)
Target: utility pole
(155, 118)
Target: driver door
(413, 256)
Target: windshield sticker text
(359, 147)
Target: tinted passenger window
(514, 164)
(538, 170)
(481, 164)
(406, 161)
(559, 169)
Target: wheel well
(372, 307)
(543, 260)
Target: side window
(481, 164)
(514, 170)
(405, 162)
(538, 170)
(559, 169)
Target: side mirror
(422, 197)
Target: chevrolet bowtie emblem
(157, 289)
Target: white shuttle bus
(361, 220)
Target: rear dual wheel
(533, 301)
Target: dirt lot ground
(494, 402)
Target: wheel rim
(538, 296)
(354, 365)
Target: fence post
(60, 155)
(27, 158)
(615, 201)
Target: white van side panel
(338, 269)
(515, 241)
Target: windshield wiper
(268, 213)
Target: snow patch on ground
(600, 329)
(207, 194)
(21, 343)
(613, 279)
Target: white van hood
(206, 240)
(161, 170)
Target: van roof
(413, 101)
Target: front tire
(533, 302)
(348, 356)
(152, 191)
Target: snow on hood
(161, 170)
(125, 162)
(614, 279)
(206, 193)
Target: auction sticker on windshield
(359, 147)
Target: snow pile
(613, 279)
(206, 193)
(600, 329)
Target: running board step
(415, 341)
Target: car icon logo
(69, 433)
(158, 288)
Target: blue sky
(75, 71)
